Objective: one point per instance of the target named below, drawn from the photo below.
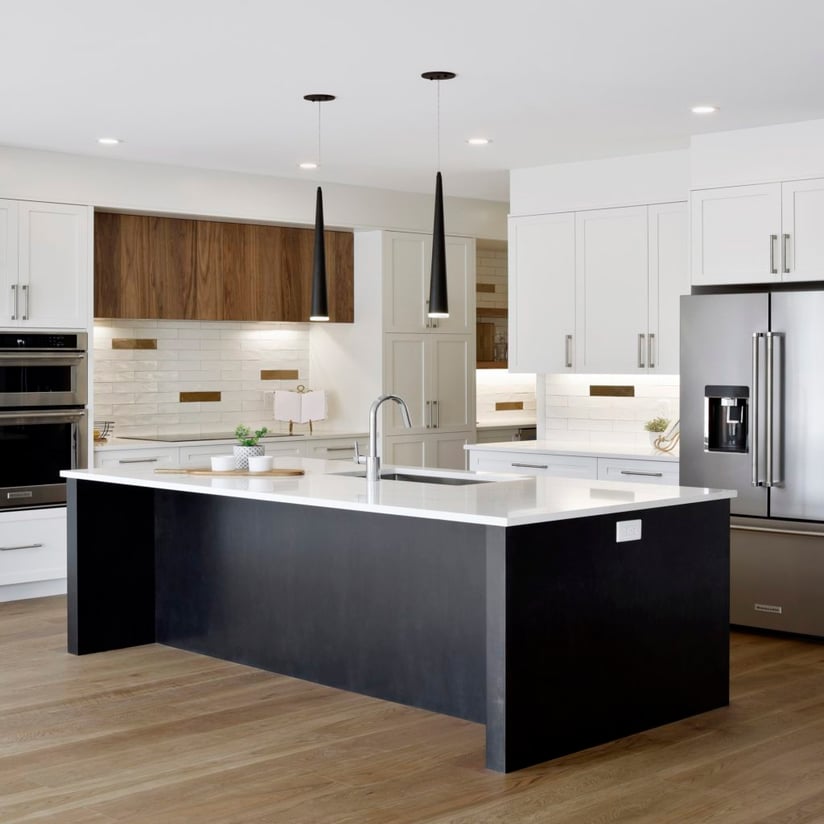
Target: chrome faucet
(372, 461)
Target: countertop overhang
(506, 500)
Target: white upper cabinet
(612, 283)
(408, 260)
(542, 293)
(764, 233)
(735, 234)
(598, 291)
(802, 230)
(44, 264)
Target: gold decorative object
(668, 440)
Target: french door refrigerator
(752, 419)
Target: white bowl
(260, 463)
(223, 463)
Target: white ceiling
(219, 84)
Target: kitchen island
(561, 613)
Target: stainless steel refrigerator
(752, 419)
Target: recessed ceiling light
(478, 141)
(310, 164)
(109, 141)
(704, 109)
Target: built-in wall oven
(43, 416)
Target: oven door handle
(17, 416)
(22, 357)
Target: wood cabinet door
(144, 267)
(542, 293)
(611, 290)
(735, 233)
(802, 230)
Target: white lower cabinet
(534, 463)
(442, 451)
(152, 456)
(641, 471)
(335, 449)
(32, 546)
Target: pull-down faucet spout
(372, 461)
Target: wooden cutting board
(240, 473)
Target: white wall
(661, 177)
(27, 174)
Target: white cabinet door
(403, 450)
(32, 546)
(611, 293)
(640, 471)
(542, 293)
(54, 259)
(669, 278)
(9, 288)
(735, 234)
(407, 261)
(149, 457)
(444, 451)
(335, 449)
(533, 463)
(802, 231)
(406, 374)
(451, 365)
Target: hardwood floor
(153, 734)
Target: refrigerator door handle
(771, 478)
(756, 339)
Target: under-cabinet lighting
(109, 141)
(704, 109)
(478, 141)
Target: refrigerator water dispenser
(726, 418)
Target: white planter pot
(243, 453)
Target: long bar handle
(756, 336)
(651, 350)
(773, 240)
(645, 474)
(437, 411)
(429, 414)
(531, 466)
(14, 301)
(568, 350)
(21, 546)
(641, 339)
(785, 254)
(777, 531)
(25, 289)
(768, 411)
(137, 460)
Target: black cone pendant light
(320, 304)
(438, 298)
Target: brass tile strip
(134, 343)
(484, 287)
(502, 406)
(279, 374)
(198, 397)
(612, 391)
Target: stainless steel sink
(414, 477)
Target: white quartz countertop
(508, 500)
(596, 450)
(275, 437)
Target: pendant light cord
(319, 107)
(437, 125)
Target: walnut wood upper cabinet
(157, 267)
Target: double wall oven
(43, 416)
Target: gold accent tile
(199, 397)
(279, 374)
(612, 391)
(134, 343)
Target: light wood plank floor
(153, 734)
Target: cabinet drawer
(198, 456)
(564, 466)
(336, 450)
(162, 456)
(645, 472)
(32, 546)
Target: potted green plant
(247, 444)
(656, 428)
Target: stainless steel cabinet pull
(785, 254)
(14, 301)
(773, 239)
(645, 474)
(651, 350)
(22, 546)
(429, 414)
(25, 290)
(778, 531)
(531, 466)
(641, 337)
(568, 352)
(340, 448)
(437, 411)
(137, 460)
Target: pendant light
(438, 300)
(320, 304)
